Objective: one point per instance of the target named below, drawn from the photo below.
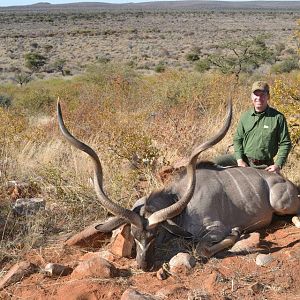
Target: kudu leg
(296, 221)
(229, 241)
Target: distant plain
(142, 35)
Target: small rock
(18, 272)
(263, 259)
(11, 184)
(89, 256)
(169, 290)
(57, 270)
(296, 221)
(293, 254)
(18, 189)
(99, 254)
(184, 261)
(103, 254)
(28, 206)
(79, 290)
(89, 237)
(123, 242)
(131, 294)
(257, 287)
(247, 244)
(95, 267)
(107, 255)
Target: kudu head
(144, 221)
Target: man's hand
(241, 163)
(273, 168)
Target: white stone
(28, 206)
(131, 294)
(53, 269)
(263, 259)
(182, 259)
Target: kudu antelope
(207, 203)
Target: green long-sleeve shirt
(262, 136)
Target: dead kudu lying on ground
(208, 203)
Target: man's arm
(284, 142)
(238, 144)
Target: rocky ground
(239, 275)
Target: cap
(261, 86)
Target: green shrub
(108, 73)
(103, 59)
(202, 65)
(67, 72)
(12, 126)
(192, 57)
(5, 101)
(285, 66)
(34, 61)
(36, 101)
(160, 68)
(135, 146)
(279, 48)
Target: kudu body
(207, 203)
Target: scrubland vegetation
(41, 42)
(137, 123)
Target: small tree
(236, 56)
(22, 78)
(34, 61)
(60, 66)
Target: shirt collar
(265, 112)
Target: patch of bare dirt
(227, 276)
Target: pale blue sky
(25, 2)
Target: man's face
(260, 100)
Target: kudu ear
(116, 222)
(110, 224)
(173, 228)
